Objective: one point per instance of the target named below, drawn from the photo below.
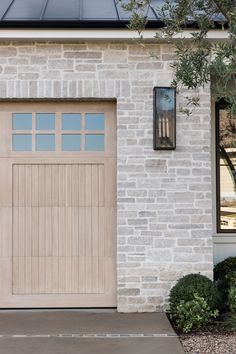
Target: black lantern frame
(164, 118)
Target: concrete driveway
(72, 331)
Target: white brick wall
(164, 197)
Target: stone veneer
(164, 197)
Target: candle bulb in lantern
(167, 128)
(164, 128)
(159, 126)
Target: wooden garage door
(57, 204)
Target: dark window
(225, 168)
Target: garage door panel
(55, 275)
(95, 231)
(21, 185)
(57, 208)
(28, 228)
(82, 232)
(28, 275)
(109, 230)
(60, 185)
(5, 231)
(41, 184)
(41, 232)
(34, 187)
(55, 185)
(69, 244)
(15, 275)
(82, 191)
(74, 275)
(6, 181)
(42, 275)
(21, 231)
(59, 275)
(75, 185)
(109, 283)
(110, 185)
(34, 231)
(48, 232)
(95, 185)
(101, 232)
(101, 187)
(28, 182)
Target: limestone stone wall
(164, 201)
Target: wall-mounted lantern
(164, 118)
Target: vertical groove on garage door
(58, 229)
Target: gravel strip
(209, 343)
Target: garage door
(57, 204)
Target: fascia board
(91, 34)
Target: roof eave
(87, 24)
(83, 24)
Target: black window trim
(222, 104)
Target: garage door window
(22, 142)
(71, 121)
(22, 121)
(45, 121)
(71, 142)
(43, 132)
(45, 142)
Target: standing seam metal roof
(79, 13)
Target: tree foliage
(199, 60)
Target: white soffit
(79, 34)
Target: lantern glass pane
(164, 118)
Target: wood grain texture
(58, 229)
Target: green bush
(192, 284)
(232, 299)
(225, 275)
(223, 286)
(231, 278)
(194, 314)
(225, 267)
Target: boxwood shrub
(222, 269)
(224, 275)
(232, 299)
(190, 286)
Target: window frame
(221, 104)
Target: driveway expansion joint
(91, 335)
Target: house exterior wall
(164, 200)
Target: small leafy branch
(199, 62)
(194, 314)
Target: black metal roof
(71, 13)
